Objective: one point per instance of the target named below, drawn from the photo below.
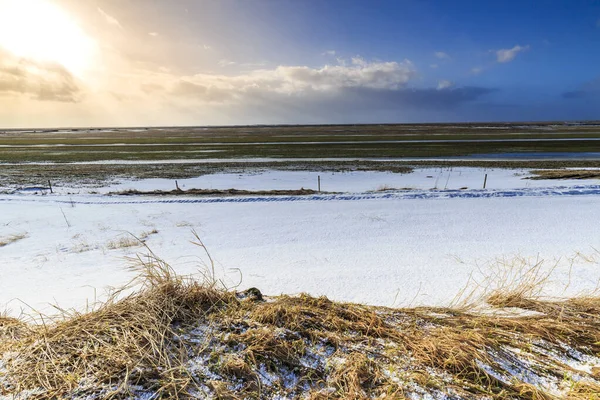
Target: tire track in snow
(398, 195)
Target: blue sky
(563, 38)
(195, 62)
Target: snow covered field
(359, 181)
(376, 249)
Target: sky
(72, 63)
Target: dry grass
(387, 188)
(384, 188)
(173, 337)
(518, 277)
(123, 242)
(565, 174)
(6, 240)
(10, 329)
(129, 240)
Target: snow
(377, 249)
(356, 181)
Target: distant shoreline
(451, 124)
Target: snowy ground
(360, 181)
(411, 247)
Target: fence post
(319, 182)
(484, 181)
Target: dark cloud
(358, 104)
(416, 98)
(575, 94)
(38, 80)
(588, 90)
(353, 99)
(582, 94)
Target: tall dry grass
(129, 340)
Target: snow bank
(384, 251)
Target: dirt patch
(565, 174)
(215, 192)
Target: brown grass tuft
(11, 329)
(358, 377)
(318, 317)
(6, 240)
(127, 341)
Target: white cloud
(358, 61)
(476, 70)
(109, 18)
(444, 84)
(43, 81)
(206, 47)
(507, 55)
(254, 64)
(225, 63)
(374, 75)
(340, 60)
(328, 53)
(296, 80)
(434, 66)
(154, 34)
(441, 55)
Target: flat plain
(97, 155)
(346, 262)
(305, 142)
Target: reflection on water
(537, 156)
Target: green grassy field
(355, 141)
(34, 157)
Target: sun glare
(40, 30)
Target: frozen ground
(408, 247)
(359, 181)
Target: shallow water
(534, 156)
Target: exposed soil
(565, 174)
(216, 192)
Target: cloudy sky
(209, 62)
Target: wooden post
(319, 182)
(484, 181)
(50, 186)
(177, 186)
